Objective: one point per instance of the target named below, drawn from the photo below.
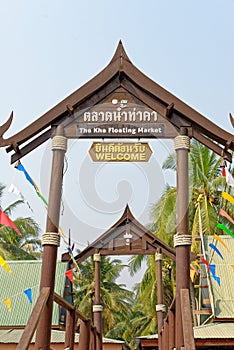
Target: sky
(51, 48)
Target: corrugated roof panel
(26, 274)
(223, 295)
(14, 335)
(215, 330)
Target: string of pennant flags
(6, 221)
(19, 166)
(212, 267)
(28, 291)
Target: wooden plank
(34, 319)
(189, 343)
(62, 302)
(203, 312)
(70, 330)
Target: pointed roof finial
(120, 53)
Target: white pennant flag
(229, 179)
(14, 189)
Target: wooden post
(84, 340)
(51, 239)
(166, 338)
(182, 239)
(171, 320)
(70, 329)
(189, 343)
(160, 307)
(93, 341)
(97, 307)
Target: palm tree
(115, 298)
(206, 184)
(14, 246)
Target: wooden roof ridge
(120, 53)
(129, 77)
(106, 237)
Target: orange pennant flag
(7, 301)
(221, 241)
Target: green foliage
(14, 246)
(115, 298)
(205, 187)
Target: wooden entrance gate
(99, 110)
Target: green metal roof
(223, 296)
(26, 274)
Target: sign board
(120, 152)
(119, 118)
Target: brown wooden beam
(97, 307)
(66, 305)
(171, 321)
(189, 343)
(85, 330)
(34, 319)
(50, 239)
(30, 147)
(211, 145)
(70, 329)
(160, 306)
(181, 239)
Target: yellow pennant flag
(192, 275)
(196, 264)
(7, 301)
(4, 264)
(228, 197)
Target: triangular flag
(229, 179)
(5, 220)
(69, 274)
(196, 264)
(7, 301)
(20, 167)
(221, 241)
(4, 264)
(216, 250)
(14, 189)
(223, 213)
(228, 197)
(205, 262)
(28, 293)
(213, 272)
(224, 228)
(192, 274)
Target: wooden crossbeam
(203, 312)
(62, 302)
